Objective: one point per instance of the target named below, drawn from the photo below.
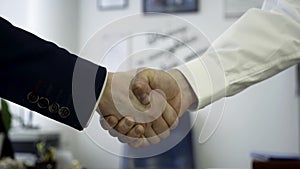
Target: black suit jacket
(39, 75)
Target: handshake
(140, 107)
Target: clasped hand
(140, 107)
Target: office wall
(15, 11)
(264, 117)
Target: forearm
(38, 75)
(256, 47)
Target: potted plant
(5, 116)
(5, 124)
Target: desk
(24, 143)
(24, 140)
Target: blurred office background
(265, 117)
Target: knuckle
(137, 85)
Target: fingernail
(128, 122)
(110, 121)
(138, 131)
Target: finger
(151, 136)
(170, 116)
(140, 142)
(123, 138)
(141, 88)
(136, 132)
(161, 92)
(158, 105)
(137, 143)
(175, 124)
(176, 105)
(104, 123)
(113, 132)
(137, 105)
(108, 122)
(125, 125)
(145, 142)
(161, 128)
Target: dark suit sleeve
(39, 75)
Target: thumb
(141, 88)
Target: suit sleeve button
(43, 102)
(64, 112)
(53, 108)
(32, 97)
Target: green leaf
(6, 115)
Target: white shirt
(259, 45)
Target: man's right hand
(172, 84)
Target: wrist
(106, 96)
(187, 93)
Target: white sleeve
(259, 45)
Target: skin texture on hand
(112, 120)
(118, 104)
(172, 84)
(187, 93)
